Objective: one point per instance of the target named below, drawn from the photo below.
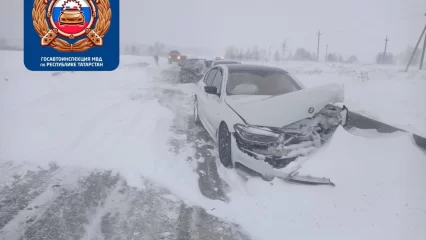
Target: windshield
(260, 82)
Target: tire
(196, 116)
(224, 142)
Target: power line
(384, 52)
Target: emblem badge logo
(77, 30)
(311, 110)
(71, 19)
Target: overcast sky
(349, 26)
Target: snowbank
(379, 193)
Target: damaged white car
(262, 118)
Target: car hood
(279, 111)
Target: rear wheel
(224, 140)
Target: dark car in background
(209, 63)
(193, 70)
(174, 56)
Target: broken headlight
(256, 135)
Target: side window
(217, 81)
(211, 76)
(206, 76)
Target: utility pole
(319, 35)
(423, 55)
(326, 52)
(284, 45)
(384, 52)
(415, 50)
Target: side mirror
(210, 89)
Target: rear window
(260, 82)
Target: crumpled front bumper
(257, 164)
(269, 162)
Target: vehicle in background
(209, 63)
(219, 58)
(264, 119)
(174, 56)
(182, 60)
(217, 62)
(213, 63)
(193, 70)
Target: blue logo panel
(71, 35)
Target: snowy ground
(62, 133)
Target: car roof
(242, 67)
(227, 61)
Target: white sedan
(262, 118)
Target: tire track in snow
(63, 177)
(210, 184)
(68, 215)
(100, 205)
(195, 223)
(22, 191)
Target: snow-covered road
(116, 156)
(65, 131)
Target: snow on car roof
(239, 67)
(226, 61)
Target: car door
(214, 101)
(202, 96)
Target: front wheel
(224, 140)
